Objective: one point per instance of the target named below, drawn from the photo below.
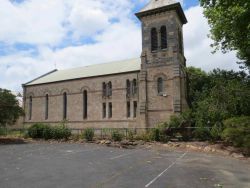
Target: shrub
(45, 131)
(116, 135)
(237, 132)
(216, 132)
(61, 132)
(37, 130)
(202, 133)
(88, 134)
(155, 134)
(2, 131)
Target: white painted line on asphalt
(151, 182)
(123, 155)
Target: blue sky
(37, 36)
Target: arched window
(109, 89)
(104, 110)
(135, 109)
(180, 41)
(46, 106)
(85, 104)
(110, 110)
(30, 108)
(128, 88)
(128, 109)
(154, 39)
(163, 37)
(134, 87)
(104, 92)
(64, 105)
(160, 85)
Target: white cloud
(33, 22)
(46, 24)
(197, 44)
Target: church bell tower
(163, 90)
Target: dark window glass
(163, 37)
(128, 88)
(180, 41)
(30, 108)
(134, 87)
(65, 105)
(135, 108)
(128, 109)
(104, 110)
(109, 89)
(110, 110)
(154, 39)
(160, 85)
(47, 107)
(104, 89)
(85, 104)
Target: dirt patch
(12, 140)
(206, 147)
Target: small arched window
(85, 104)
(46, 106)
(163, 37)
(134, 87)
(64, 105)
(154, 39)
(30, 108)
(128, 88)
(160, 85)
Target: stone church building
(136, 93)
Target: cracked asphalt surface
(41, 165)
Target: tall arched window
(160, 85)
(85, 104)
(110, 110)
(134, 87)
(163, 37)
(109, 89)
(46, 106)
(180, 41)
(64, 105)
(128, 88)
(30, 108)
(154, 39)
(104, 92)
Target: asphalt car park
(45, 165)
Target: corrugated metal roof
(89, 71)
(153, 4)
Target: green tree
(10, 110)
(230, 26)
(219, 95)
